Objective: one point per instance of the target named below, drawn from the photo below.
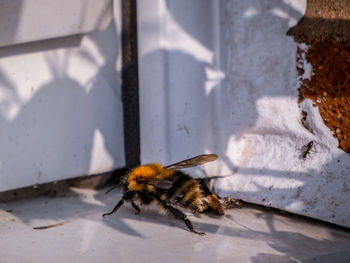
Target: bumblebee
(172, 188)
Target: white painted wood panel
(60, 108)
(31, 20)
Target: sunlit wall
(60, 108)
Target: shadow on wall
(193, 117)
(201, 91)
(242, 66)
(49, 131)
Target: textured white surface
(250, 234)
(29, 20)
(60, 109)
(232, 90)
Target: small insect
(172, 188)
(306, 150)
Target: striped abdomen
(185, 191)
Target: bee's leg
(120, 203)
(184, 218)
(136, 207)
(127, 196)
(177, 213)
(229, 202)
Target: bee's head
(123, 179)
(120, 176)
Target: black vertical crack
(130, 93)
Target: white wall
(60, 109)
(220, 76)
(28, 20)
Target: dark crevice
(130, 94)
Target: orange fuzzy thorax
(152, 170)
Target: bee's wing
(157, 182)
(194, 161)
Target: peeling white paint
(304, 64)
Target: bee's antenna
(110, 189)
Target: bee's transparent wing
(194, 161)
(157, 182)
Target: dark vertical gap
(130, 82)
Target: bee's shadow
(151, 214)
